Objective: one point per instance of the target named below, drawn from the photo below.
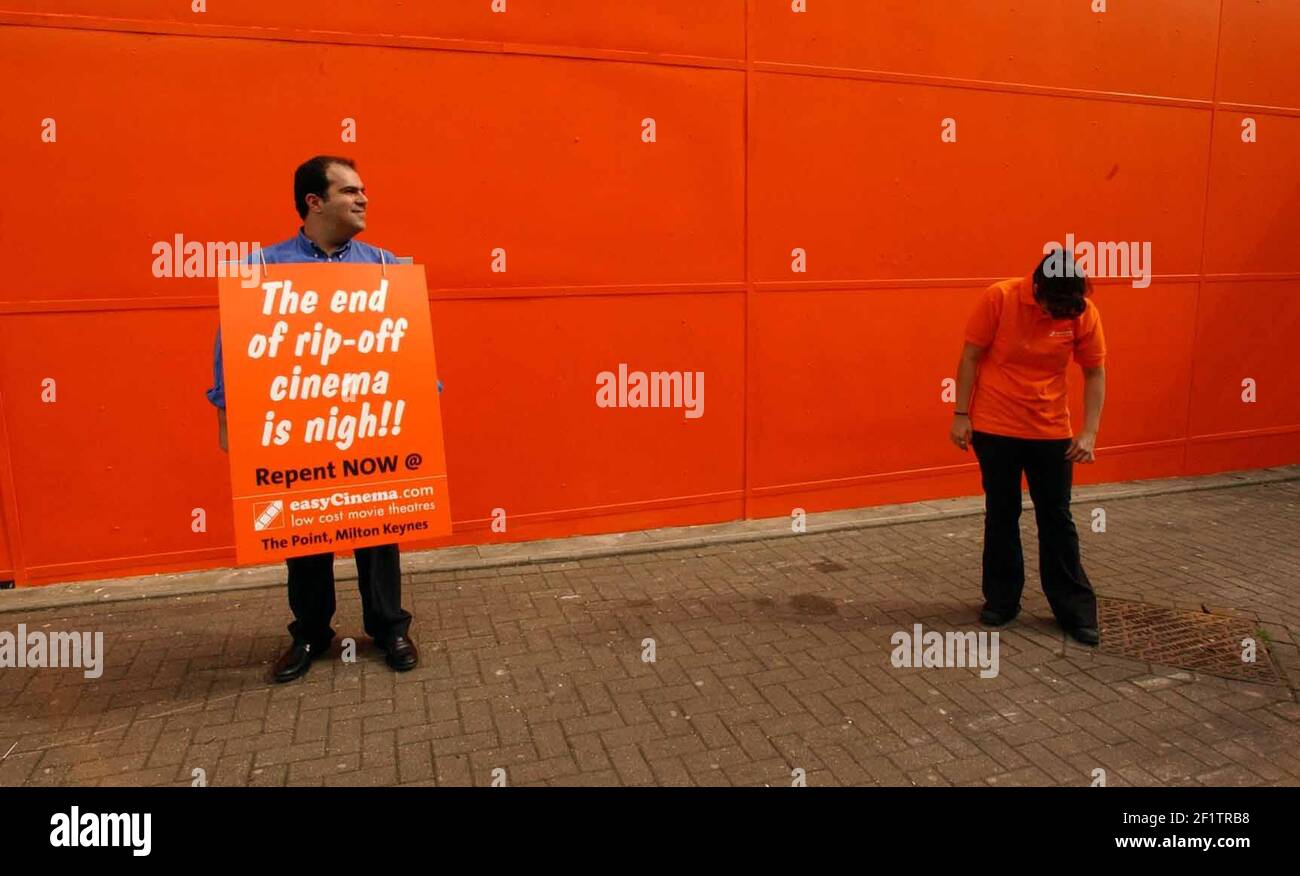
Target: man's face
(345, 208)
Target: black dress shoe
(401, 653)
(992, 617)
(1085, 635)
(295, 662)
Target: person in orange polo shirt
(1019, 343)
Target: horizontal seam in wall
(737, 64)
(933, 81)
(1263, 276)
(636, 507)
(181, 560)
(146, 27)
(100, 305)
(944, 471)
(936, 283)
(1258, 108)
(863, 480)
(1263, 432)
(1142, 446)
(97, 305)
(610, 290)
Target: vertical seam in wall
(745, 394)
(1205, 228)
(12, 530)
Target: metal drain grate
(1206, 643)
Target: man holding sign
(334, 433)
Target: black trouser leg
(1065, 584)
(1004, 561)
(311, 598)
(379, 578)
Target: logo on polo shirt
(1066, 333)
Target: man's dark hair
(1060, 286)
(310, 179)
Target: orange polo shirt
(1020, 389)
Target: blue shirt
(299, 249)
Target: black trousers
(379, 578)
(1050, 476)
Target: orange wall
(521, 130)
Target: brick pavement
(764, 665)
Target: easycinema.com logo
(36, 649)
(212, 258)
(931, 649)
(1122, 259)
(654, 389)
(77, 829)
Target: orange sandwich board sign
(332, 414)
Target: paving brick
(631, 766)
(601, 779)
(621, 736)
(453, 770)
(592, 723)
(290, 753)
(922, 756)
(142, 778)
(549, 740)
(253, 744)
(1023, 777)
(589, 752)
(231, 771)
(374, 776)
(771, 773)
(314, 772)
(970, 770)
(1060, 771)
(269, 777)
(671, 772)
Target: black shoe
(992, 617)
(295, 662)
(1085, 635)
(400, 654)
